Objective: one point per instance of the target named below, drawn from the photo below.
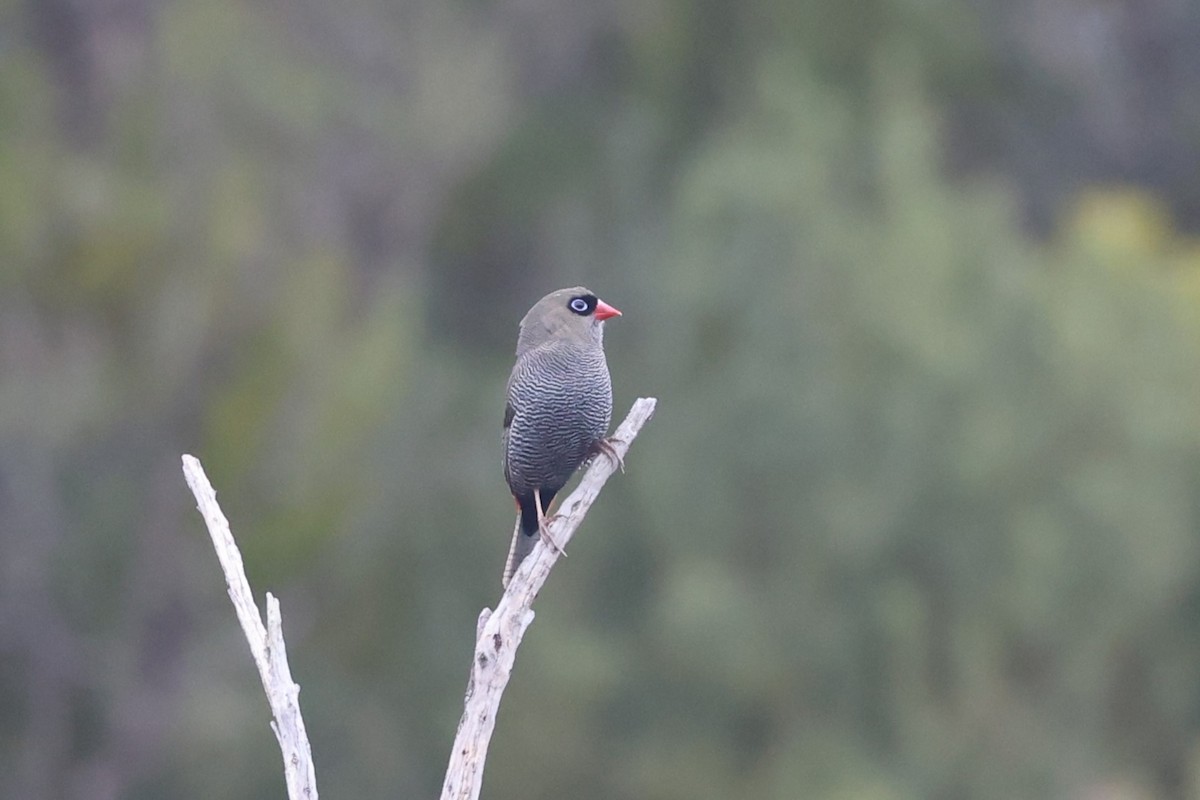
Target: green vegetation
(916, 520)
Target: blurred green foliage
(917, 517)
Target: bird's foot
(606, 446)
(544, 530)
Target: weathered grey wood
(266, 642)
(499, 632)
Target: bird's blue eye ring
(580, 305)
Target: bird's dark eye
(582, 305)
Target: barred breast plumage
(559, 405)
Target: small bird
(559, 407)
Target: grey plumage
(559, 405)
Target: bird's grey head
(574, 313)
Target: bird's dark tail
(525, 534)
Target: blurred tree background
(917, 284)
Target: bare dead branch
(499, 632)
(266, 643)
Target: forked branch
(498, 633)
(266, 643)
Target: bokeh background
(917, 283)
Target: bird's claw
(544, 530)
(606, 446)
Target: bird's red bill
(604, 310)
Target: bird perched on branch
(559, 407)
